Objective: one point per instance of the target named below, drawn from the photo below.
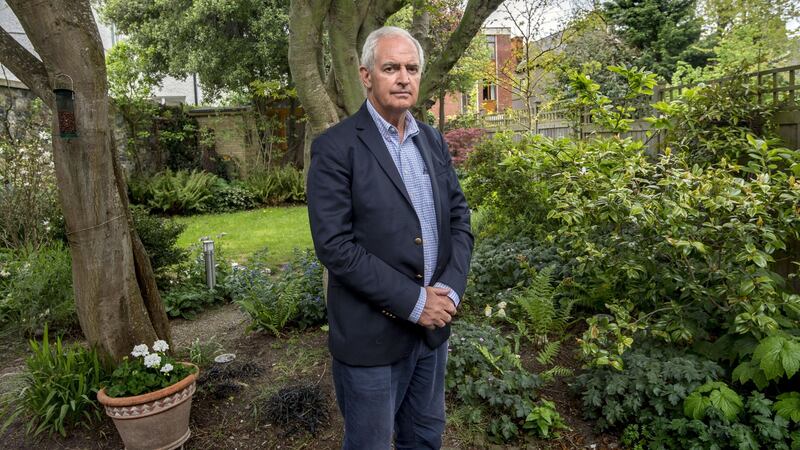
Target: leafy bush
(654, 383)
(159, 237)
(232, 197)
(187, 293)
(38, 290)
(187, 300)
(180, 192)
(461, 141)
(756, 427)
(712, 122)
(28, 200)
(60, 388)
(499, 263)
(487, 378)
(292, 297)
(277, 186)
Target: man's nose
(403, 76)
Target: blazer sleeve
(330, 217)
(455, 273)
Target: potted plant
(149, 398)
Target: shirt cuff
(452, 294)
(417, 312)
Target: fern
(548, 352)
(542, 312)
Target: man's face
(393, 83)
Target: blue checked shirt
(415, 176)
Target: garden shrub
(292, 297)
(28, 195)
(159, 237)
(277, 186)
(187, 293)
(654, 383)
(461, 142)
(230, 197)
(60, 388)
(712, 122)
(38, 290)
(499, 264)
(757, 426)
(487, 378)
(180, 192)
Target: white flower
(4, 273)
(488, 311)
(502, 305)
(152, 360)
(501, 314)
(583, 171)
(167, 368)
(140, 350)
(160, 346)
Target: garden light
(208, 255)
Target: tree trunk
(115, 294)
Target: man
(391, 224)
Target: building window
(489, 92)
(492, 42)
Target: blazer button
(418, 241)
(419, 276)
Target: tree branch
(29, 69)
(343, 32)
(306, 18)
(375, 17)
(475, 14)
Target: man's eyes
(409, 69)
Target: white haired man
(391, 224)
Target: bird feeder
(65, 107)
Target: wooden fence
(774, 87)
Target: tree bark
(108, 261)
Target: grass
(279, 229)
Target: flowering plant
(148, 371)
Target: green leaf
(695, 405)
(728, 401)
(788, 406)
(777, 356)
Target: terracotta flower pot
(155, 420)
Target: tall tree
(662, 31)
(237, 48)
(328, 84)
(115, 292)
(751, 35)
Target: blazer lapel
(369, 135)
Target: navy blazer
(365, 231)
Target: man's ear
(365, 77)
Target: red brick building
(488, 97)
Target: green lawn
(279, 229)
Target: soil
(230, 408)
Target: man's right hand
(439, 308)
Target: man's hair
(368, 52)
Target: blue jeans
(404, 400)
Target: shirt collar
(385, 128)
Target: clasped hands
(439, 308)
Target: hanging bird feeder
(65, 106)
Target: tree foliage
(229, 44)
(663, 32)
